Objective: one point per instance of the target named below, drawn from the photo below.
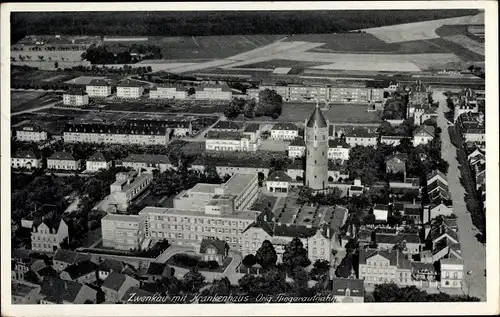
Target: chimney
(328, 232)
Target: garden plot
(420, 30)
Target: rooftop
(225, 135)
(220, 246)
(57, 290)
(285, 126)
(355, 286)
(226, 125)
(298, 142)
(252, 127)
(29, 154)
(147, 158)
(279, 176)
(79, 269)
(115, 128)
(120, 217)
(243, 215)
(395, 257)
(317, 119)
(76, 92)
(70, 257)
(98, 82)
(114, 281)
(337, 143)
(238, 182)
(424, 129)
(129, 83)
(360, 133)
(62, 156)
(96, 157)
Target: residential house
(278, 182)
(423, 271)
(107, 266)
(75, 98)
(284, 131)
(115, 286)
(433, 211)
(63, 161)
(361, 137)
(168, 92)
(129, 89)
(64, 258)
(296, 148)
(99, 88)
(157, 271)
(348, 290)
(48, 231)
(149, 162)
(423, 135)
(116, 133)
(429, 114)
(31, 132)
(384, 266)
(436, 175)
(26, 159)
(252, 131)
(396, 163)
(229, 141)
(442, 236)
(476, 155)
(337, 149)
(24, 293)
(59, 291)
(393, 140)
(214, 250)
(228, 126)
(82, 272)
(209, 92)
(409, 243)
(356, 189)
(452, 272)
(97, 162)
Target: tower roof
(317, 118)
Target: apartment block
(129, 89)
(115, 134)
(123, 232)
(63, 161)
(230, 141)
(213, 93)
(25, 159)
(75, 98)
(97, 162)
(31, 133)
(149, 162)
(98, 88)
(168, 92)
(284, 131)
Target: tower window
(315, 138)
(315, 176)
(315, 162)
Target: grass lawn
(342, 113)
(193, 148)
(282, 63)
(265, 202)
(21, 101)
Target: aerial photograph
(178, 157)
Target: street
(473, 252)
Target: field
(49, 65)
(273, 63)
(60, 56)
(82, 80)
(341, 113)
(205, 47)
(467, 42)
(420, 30)
(21, 101)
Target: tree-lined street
(473, 252)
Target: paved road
(473, 252)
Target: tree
(385, 128)
(320, 268)
(270, 103)
(193, 281)
(266, 255)
(345, 267)
(249, 109)
(220, 287)
(249, 260)
(295, 255)
(191, 91)
(233, 110)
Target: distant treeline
(213, 23)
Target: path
(473, 252)
(47, 106)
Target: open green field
(204, 47)
(282, 63)
(341, 113)
(25, 100)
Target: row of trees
(269, 105)
(192, 23)
(100, 54)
